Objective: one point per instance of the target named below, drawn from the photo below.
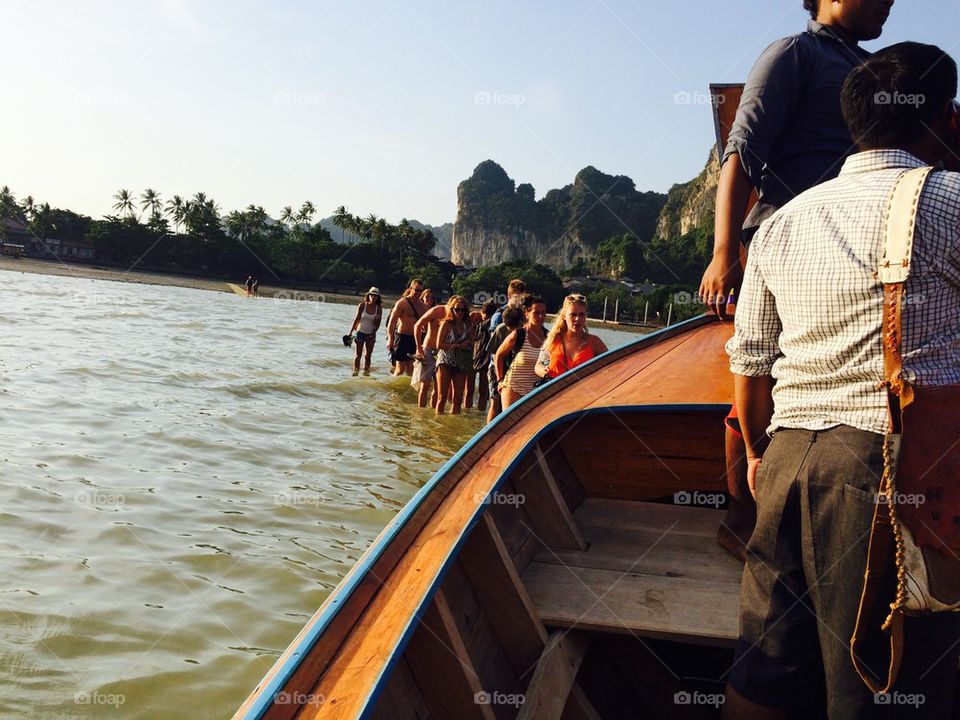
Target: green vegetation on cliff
(591, 209)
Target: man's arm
(754, 398)
(420, 326)
(724, 272)
(769, 99)
(753, 350)
(392, 324)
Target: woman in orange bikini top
(569, 343)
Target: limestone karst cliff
(499, 221)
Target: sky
(380, 105)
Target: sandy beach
(98, 272)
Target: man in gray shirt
(789, 134)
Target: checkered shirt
(811, 306)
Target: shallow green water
(184, 477)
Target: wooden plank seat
(650, 569)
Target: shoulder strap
(519, 340)
(900, 225)
(899, 228)
(414, 308)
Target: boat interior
(591, 586)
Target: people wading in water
(525, 343)
(400, 339)
(425, 332)
(455, 355)
(569, 343)
(366, 324)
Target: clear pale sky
(381, 105)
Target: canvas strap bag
(916, 521)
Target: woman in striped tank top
(523, 345)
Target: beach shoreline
(150, 277)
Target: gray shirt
(789, 131)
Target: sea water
(184, 477)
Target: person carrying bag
(916, 522)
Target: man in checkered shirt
(807, 359)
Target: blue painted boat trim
(264, 698)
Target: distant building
(76, 250)
(16, 233)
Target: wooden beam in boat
(643, 574)
(555, 676)
(544, 503)
(579, 707)
(504, 598)
(442, 668)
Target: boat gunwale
(261, 699)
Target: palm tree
(124, 203)
(307, 211)
(28, 206)
(177, 210)
(9, 210)
(287, 216)
(42, 221)
(150, 200)
(258, 218)
(343, 220)
(237, 224)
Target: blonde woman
(569, 342)
(523, 344)
(455, 354)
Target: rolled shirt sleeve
(754, 346)
(769, 98)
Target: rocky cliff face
(691, 205)
(498, 221)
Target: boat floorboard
(650, 569)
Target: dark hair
(893, 97)
(530, 300)
(489, 308)
(513, 317)
(813, 6)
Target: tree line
(193, 235)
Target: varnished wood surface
(347, 662)
(652, 570)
